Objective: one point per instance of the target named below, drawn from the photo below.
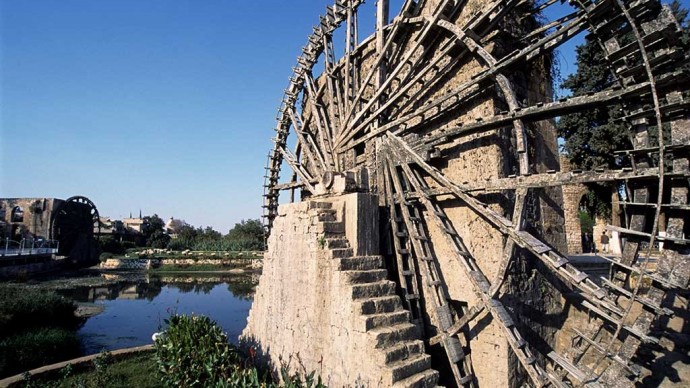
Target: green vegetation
(194, 352)
(586, 222)
(36, 328)
(113, 246)
(194, 268)
(592, 136)
(154, 232)
(138, 371)
(244, 236)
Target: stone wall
(20, 271)
(140, 264)
(324, 306)
(36, 218)
(572, 195)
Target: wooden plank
(569, 367)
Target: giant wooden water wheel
(73, 224)
(446, 112)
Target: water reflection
(135, 307)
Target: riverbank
(159, 260)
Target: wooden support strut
(439, 295)
(406, 266)
(553, 40)
(589, 290)
(481, 286)
(347, 133)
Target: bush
(158, 240)
(228, 245)
(194, 352)
(37, 347)
(180, 244)
(36, 328)
(22, 308)
(110, 245)
(126, 371)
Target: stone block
(373, 290)
(402, 351)
(366, 276)
(379, 305)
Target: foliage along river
(135, 308)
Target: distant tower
(139, 213)
(130, 214)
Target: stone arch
(587, 235)
(572, 197)
(17, 214)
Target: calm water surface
(134, 310)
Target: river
(130, 309)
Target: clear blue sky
(159, 105)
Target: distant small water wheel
(446, 113)
(73, 224)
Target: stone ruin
(70, 223)
(424, 241)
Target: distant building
(173, 226)
(71, 222)
(134, 224)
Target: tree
(208, 233)
(247, 234)
(186, 232)
(158, 239)
(174, 225)
(247, 230)
(592, 136)
(151, 225)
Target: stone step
(337, 242)
(405, 368)
(360, 263)
(366, 276)
(341, 253)
(319, 205)
(402, 351)
(424, 379)
(386, 319)
(372, 290)
(388, 336)
(330, 227)
(384, 304)
(324, 217)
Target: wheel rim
(409, 104)
(74, 222)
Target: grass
(138, 370)
(36, 328)
(198, 255)
(194, 268)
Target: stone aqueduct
(425, 243)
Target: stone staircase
(378, 310)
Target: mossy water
(134, 309)
(88, 312)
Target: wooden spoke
(445, 112)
